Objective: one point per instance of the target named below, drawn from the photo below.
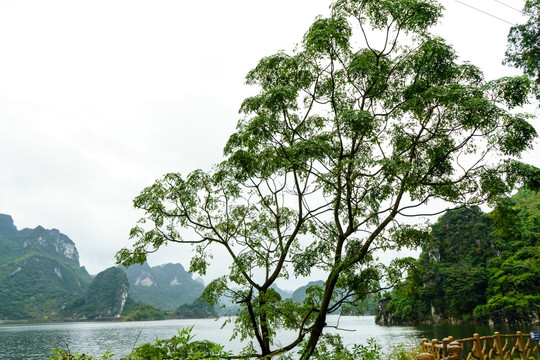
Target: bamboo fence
(494, 347)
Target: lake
(35, 341)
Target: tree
(524, 44)
(349, 137)
(451, 277)
(513, 292)
(475, 266)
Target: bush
(60, 354)
(145, 312)
(331, 347)
(180, 346)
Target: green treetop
(524, 44)
(349, 137)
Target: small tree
(348, 138)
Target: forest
(475, 267)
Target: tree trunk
(320, 321)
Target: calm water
(35, 341)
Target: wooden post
(478, 347)
(521, 347)
(455, 351)
(425, 344)
(445, 343)
(434, 343)
(498, 345)
(425, 356)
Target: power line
(482, 11)
(511, 7)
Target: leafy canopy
(523, 49)
(361, 127)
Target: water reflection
(466, 331)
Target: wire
(482, 11)
(511, 7)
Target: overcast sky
(100, 98)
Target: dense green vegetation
(145, 312)
(39, 289)
(475, 267)
(513, 291)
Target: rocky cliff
(106, 297)
(39, 271)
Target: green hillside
(39, 272)
(106, 297)
(476, 267)
(41, 278)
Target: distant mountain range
(165, 286)
(41, 279)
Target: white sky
(100, 98)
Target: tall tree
(350, 136)
(524, 44)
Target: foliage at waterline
(145, 312)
